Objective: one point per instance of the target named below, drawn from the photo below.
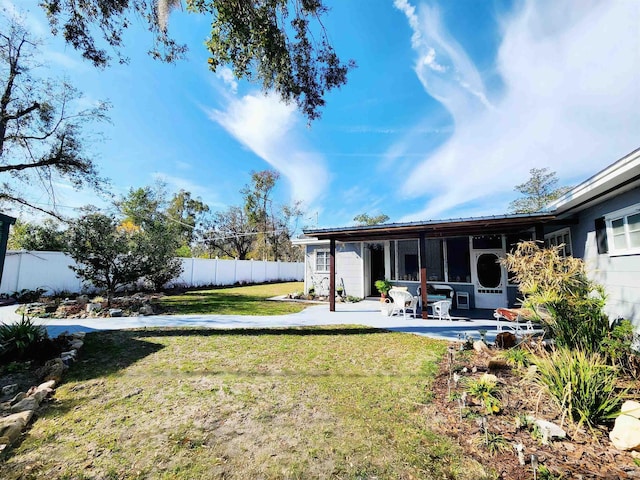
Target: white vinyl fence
(50, 271)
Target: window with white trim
(623, 231)
(560, 237)
(322, 260)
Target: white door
(489, 279)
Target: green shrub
(618, 348)
(26, 295)
(558, 290)
(582, 384)
(486, 392)
(517, 357)
(21, 335)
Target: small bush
(618, 348)
(517, 357)
(486, 392)
(28, 296)
(582, 384)
(19, 337)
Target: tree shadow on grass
(107, 352)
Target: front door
(377, 267)
(489, 279)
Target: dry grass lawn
(344, 402)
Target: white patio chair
(402, 302)
(441, 310)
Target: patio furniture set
(519, 321)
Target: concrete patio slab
(366, 312)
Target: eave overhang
(504, 224)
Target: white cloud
(571, 102)
(229, 79)
(198, 191)
(266, 125)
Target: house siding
(620, 275)
(349, 268)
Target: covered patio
(484, 240)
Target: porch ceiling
(505, 224)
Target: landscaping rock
(549, 430)
(29, 403)
(626, 433)
(20, 417)
(93, 307)
(17, 398)
(9, 389)
(146, 309)
(78, 335)
(10, 434)
(77, 344)
(631, 408)
(480, 346)
(115, 312)
(52, 370)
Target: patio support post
(332, 275)
(423, 275)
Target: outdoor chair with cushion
(403, 301)
(518, 320)
(441, 310)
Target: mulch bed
(582, 455)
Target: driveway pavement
(365, 313)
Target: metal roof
(436, 228)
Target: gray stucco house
(598, 220)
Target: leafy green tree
(274, 224)
(280, 43)
(185, 213)
(364, 219)
(108, 256)
(47, 237)
(143, 205)
(159, 262)
(144, 211)
(539, 191)
(42, 134)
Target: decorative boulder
(626, 431)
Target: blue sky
(451, 105)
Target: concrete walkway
(365, 313)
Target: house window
(458, 263)
(434, 260)
(623, 231)
(322, 260)
(560, 238)
(407, 260)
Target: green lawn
(339, 402)
(250, 300)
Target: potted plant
(383, 287)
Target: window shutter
(601, 235)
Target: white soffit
(613, 180)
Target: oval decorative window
(489, 270)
